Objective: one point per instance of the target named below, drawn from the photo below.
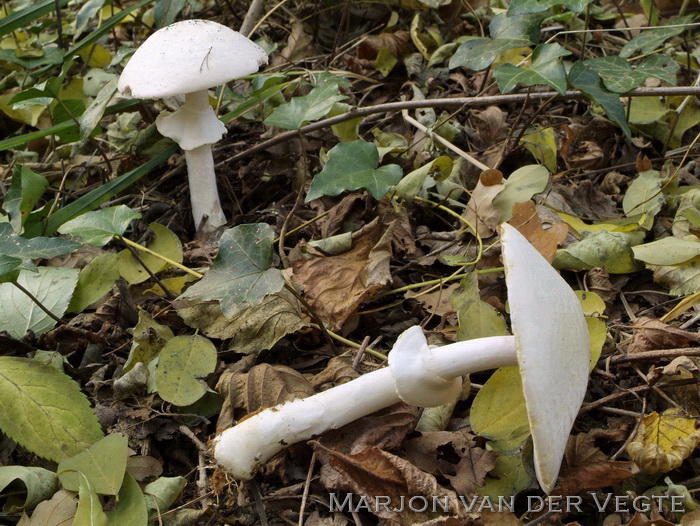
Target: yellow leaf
(622, 225)
(543, 146)
(96, 56)
(165, 243)
(663, 441)
(174, 285)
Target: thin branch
(446, 103)
(39, 304)
(251, 17)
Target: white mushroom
(550, 345)
(187, 58)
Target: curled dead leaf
(652, 334)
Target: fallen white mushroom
(187, 58)
(550, 345)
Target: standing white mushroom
(187, 58)
(550, 345)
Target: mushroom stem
(203, 192)
(242, 449)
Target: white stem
(203, 192)
(242, 449)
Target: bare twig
(39, 304)
(251, 17)
(446, 103)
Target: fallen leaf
(336, 285)
(664, 441)
(481, 212)
(526, 220)
(437, 302)
(650, 334)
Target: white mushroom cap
(415, 382)
(553, 349)
(189, 56)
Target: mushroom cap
(189, 56)
(553, 349)
(415, 382)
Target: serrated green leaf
(521, 7)
(182, 362)
(94, 281)
(667, 251)
(131, 505)
(479, 53)
(648, 41)
(166, 243)
(44, 411)
(585, 78)
(240, 275)
(103, 464)
(610, 250)
(52, 286)
(301, 110)
(644, 195)
(546, 67)
(99, 227)
(40, 485)
(89, 512)
(522, 184)
(26, 188)
(353, 165)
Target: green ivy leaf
(99, 227)
(44, 411)
(479, 53)
(648, 41)
(619, 77)
(353, 165)
(585, 78)
(241, 275)
(300, 110)
(546, 67)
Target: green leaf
(52, 286)
(14, 247)
(166, 11)
(679, 279)
(131, 504)
(542, 144)
(88, 10)
(479, 53)
(667, 251)
(94, 281)
(619, 77)
(522, 184)
(660, 67)
(40, 484)
(31, 13)
(301, 110)
(103, 464)
(477, 319)
(24, 193)
(99, 227)
(89, 512)
(525, 27)
(521, 7)
(644, 195)
(241, 275)
(610, 250)
(93, 114)
(585, 78)
(44, 411)
(181, 363)
(162, 493)
(166, 243)
(57, 511)
(499, 411)
(353, 165)
(648, 41)
(546, 68)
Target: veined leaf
(546, 68)
(650, 40)
(182, 363)
(619, 77)
(521, 7)
(301, 110)
(353, 165)
(44, 410)
(241, 275)
(103, 464)
(667, 251)
(26, 188)
(479, 53)
(40, 484)
(100, 226)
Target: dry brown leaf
(502, 518)
(480, 211)
(598, 281)
(396, 42)
(300, 45)
(350, 208)
(375, 473)
(586, 467)
(339, 371)
(691, 519)
(437, 302)
(490, 126)
(143, 467)
(315, 519)
(336, 285)
(640, 519)
(526, 220)
(652, 334)
(454, 455)
(264, 386)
